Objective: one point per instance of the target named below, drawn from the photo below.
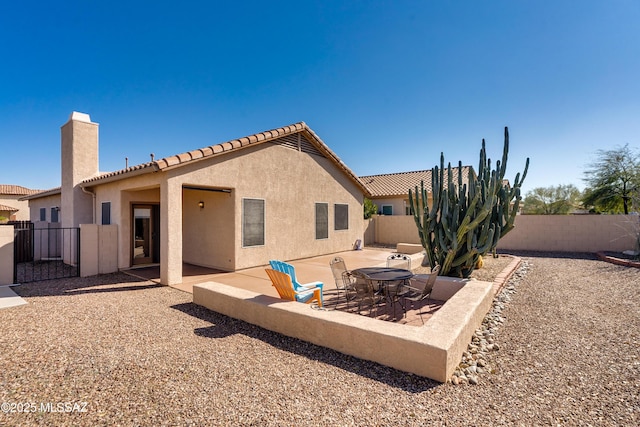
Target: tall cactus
(465, 220)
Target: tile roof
(16, 190)
(398, 184)
(8, 208)
(42, 193)
(226, 147)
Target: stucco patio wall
(6, 254)
(98, 249)
(563, 233)
(432, 350)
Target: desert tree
(370, 208)
(613, 180)
(554, 200)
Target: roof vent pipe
(126, 162)
(152, 156)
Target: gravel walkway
(142, 354)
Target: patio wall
(6, 254)
(433, 350)
(98, 249)
(563, 233)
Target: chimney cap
(80, 117)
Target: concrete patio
(256, 280)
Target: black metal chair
(415, 294)
(344, 280)
(364, 294)
(394, 290)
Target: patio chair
(422, 285)
(282, 282)
(344, 281)
(394, 290)
(399, 261)
(364, 293)
(291, 271)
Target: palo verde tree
(465, 220)
(613, 180)
(555, 200)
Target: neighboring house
(279, 194)
(390, 192)
(44, 206)
(11, 206)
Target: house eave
(121, 174)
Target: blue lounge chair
(289, 269)
(282, 282)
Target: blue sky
(387, 85)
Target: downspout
(93, 195)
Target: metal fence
(45, 253)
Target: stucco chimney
(79, 154)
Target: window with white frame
(387, 209)
(43, 214)
(252, 222)
(106, 213)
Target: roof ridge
(227, 146)
(221, 147)
(16, 190)
(394, 173)
(408, 172)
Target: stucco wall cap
(80, 117)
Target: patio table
(386, 277)
(383, 274)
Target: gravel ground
(142, 354)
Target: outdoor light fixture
(201, 204)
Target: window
(54, 214)
(106, 213)
(340, 217)
(43, 214)
(322, 220)
(387, 209)
(252, 222)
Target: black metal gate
(45, 253)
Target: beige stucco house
(390, 192)
(12, 208)
(279, 194)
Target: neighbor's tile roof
(8, 208)
(398, 184)
(226, 147)
(16, 190)
(43, 193)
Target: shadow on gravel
(116, 282)
(224, 326)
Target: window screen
(106, 213)
(322, 220)
(54, 215)
(387, 209)
(341, 217)
(43, 214)
(252, 222)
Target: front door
(143, 234)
